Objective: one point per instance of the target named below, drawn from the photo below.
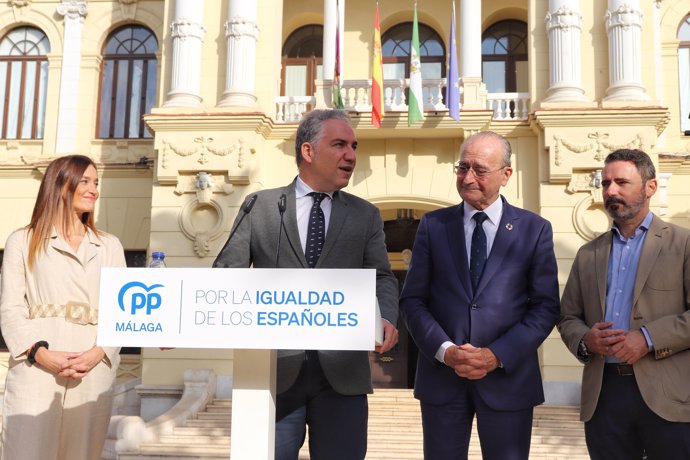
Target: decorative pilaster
(187, 37)
(624, 27)
(473, 95)
(241, 34)
(74, 12)
(564, 27)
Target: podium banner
(324, 309)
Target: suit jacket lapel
(290, 222)
(456, 242)
(650, 252)
(602, 253)
(339, 210)
(506, 235)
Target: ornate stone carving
(599, 146)
(564, 18)
(624, 16)
(238, 27)
(20, 3)
(72, 9)
(204, 150)
(184, 28)
(203, 184)
(128, 8)
(201, 222)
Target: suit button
(474, 306)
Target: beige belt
(78, 313)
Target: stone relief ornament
(128, 8)
(184, 28)
(239, 27)
(588, 216)
(72, 9)
(20, 3)
(204, 150)
(563, 18)
(201, 222)
(599, 146)
(204, 184)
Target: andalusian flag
(452, 85)
(377, 109)
(337, 97)
(416, 101)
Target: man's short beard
(624, 212)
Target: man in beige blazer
(625, 315)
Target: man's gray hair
(507, 151)
(311, 128)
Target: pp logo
(137, 296)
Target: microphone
(248, 205)
(282, 203)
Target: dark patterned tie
(316, 230)
(478, 249)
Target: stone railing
(289, 109)
(509, 106)
(356, 94)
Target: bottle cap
(158, 255)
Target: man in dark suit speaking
(310, 223)
(481, 295)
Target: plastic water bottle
(158, 260)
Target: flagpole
(377, 103)
(415, 106)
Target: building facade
(187, 106)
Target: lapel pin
(509, 227)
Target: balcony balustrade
(355, 94)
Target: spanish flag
(377, 108)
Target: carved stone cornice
(581, 139)
(657, 117)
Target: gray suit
(354, 239)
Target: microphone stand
(245, 210)
(282, 203)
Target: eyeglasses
(461, 169)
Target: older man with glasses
(481, 295)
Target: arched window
(684, 74)
(504, 57)
(128, 82)
(302, 59)
(23, 82)
(395, 48)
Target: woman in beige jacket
(58, 398)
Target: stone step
(395, 432)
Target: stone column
(67, 123)
(187, 37)
(564, 28)
(624, 27)
(474, 91)
(241, 34)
